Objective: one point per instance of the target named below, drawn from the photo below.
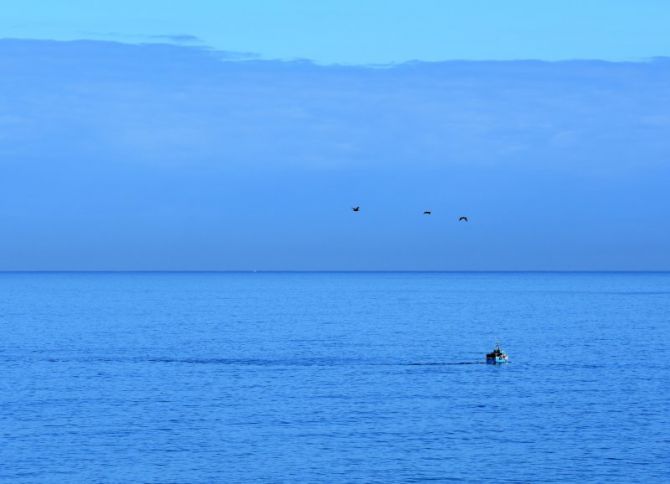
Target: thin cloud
(178, 38)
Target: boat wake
(450, 363)
(300, 362)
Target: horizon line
(331, 271)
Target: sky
(170, 151)
(362, 32)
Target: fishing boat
(497, 356)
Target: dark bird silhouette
(427, 212)
(356, 209)
(462, 219)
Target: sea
(334, 377)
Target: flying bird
(356, 209)
(427, 212)
(462, 219)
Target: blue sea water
(334, 377)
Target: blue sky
(370, 31)
(114, 156)
(164, 143)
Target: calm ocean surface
(334, 377)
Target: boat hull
(497, 360)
